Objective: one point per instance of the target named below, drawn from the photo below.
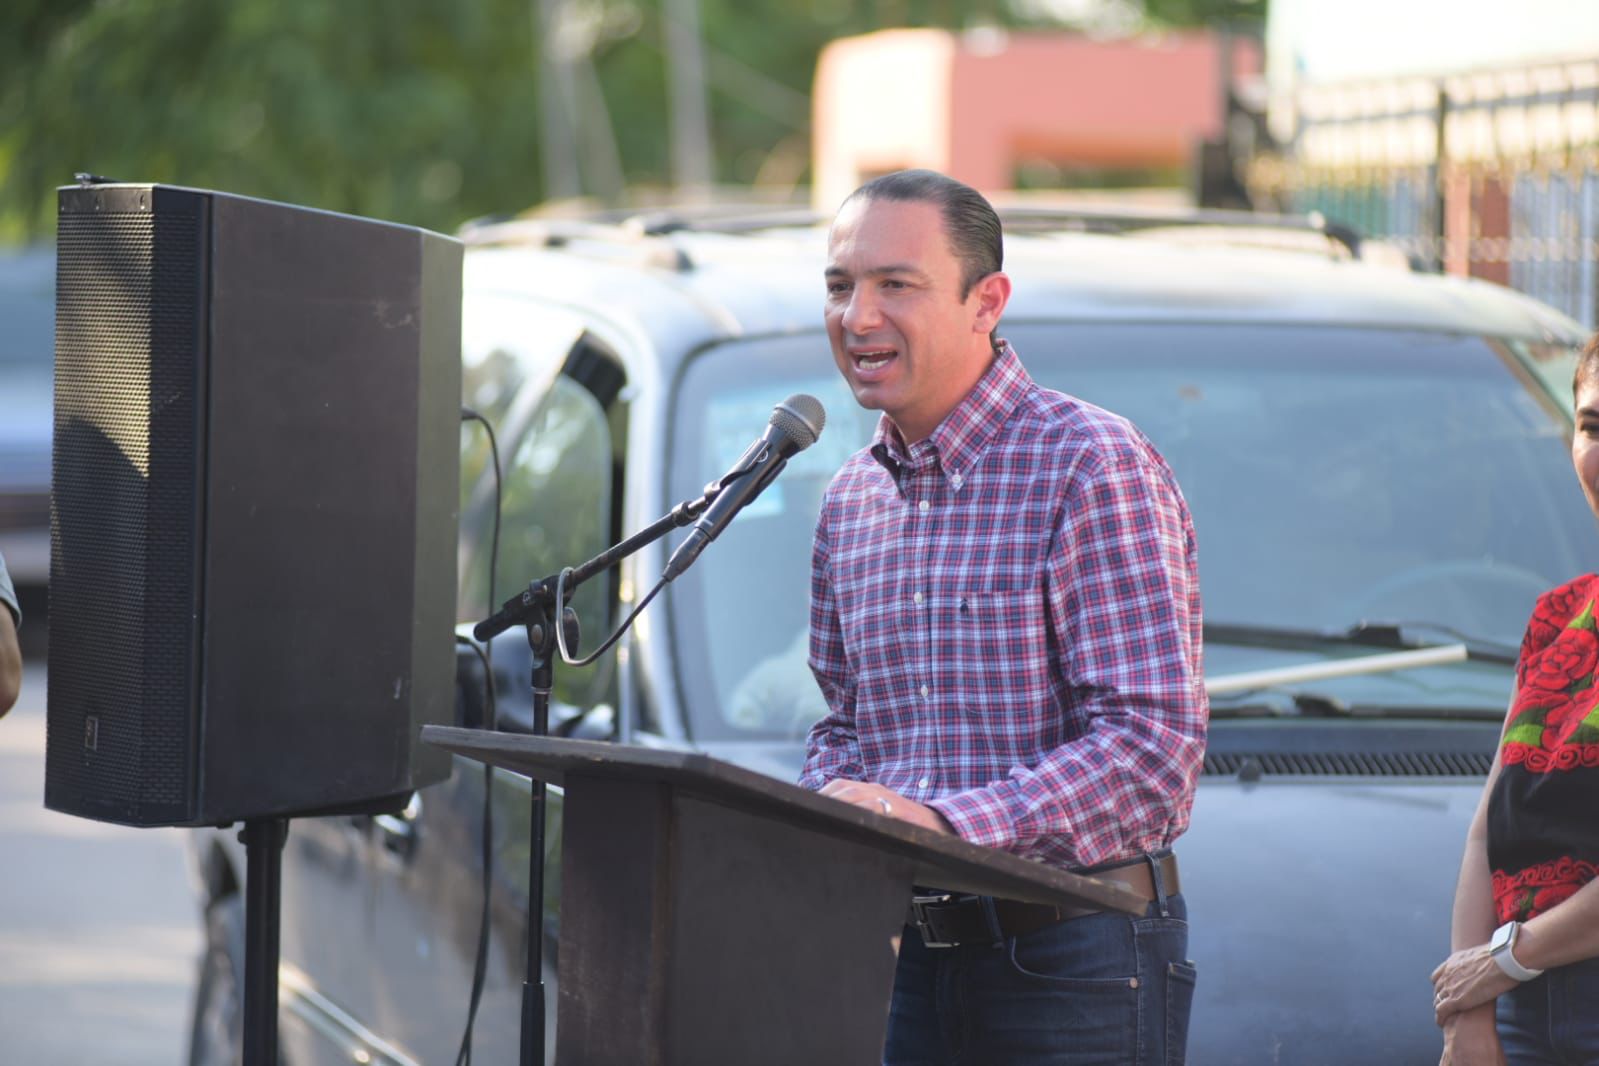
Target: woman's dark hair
(1587, 363)
(974, 232)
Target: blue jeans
(1553, 1020)
(1105, 989)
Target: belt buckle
(924, 926)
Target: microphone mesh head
(800, 418)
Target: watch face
(1501, 937)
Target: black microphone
(794, 426)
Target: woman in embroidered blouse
(1522, 984)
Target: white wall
(1320, 41)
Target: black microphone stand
(536, 609)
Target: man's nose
(862, 314)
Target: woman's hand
(1470, 1039)
(1467, 979)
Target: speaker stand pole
(263, 888)
(541, 641)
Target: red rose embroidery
(1548, 897)
(1569, 659)
(1561, 723)
(1554, 610)
(1535, 699)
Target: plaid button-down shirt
(1005, 622)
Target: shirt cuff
(978, 816)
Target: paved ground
(98, 933)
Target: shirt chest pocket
(999, 649)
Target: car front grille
(1348, 764)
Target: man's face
(902, 335)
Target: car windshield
(1335, 475)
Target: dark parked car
(1376, 463)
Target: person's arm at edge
(1470, 980)
(10, 660)
(1145, 742)
(1471, 923)
(1566, 933)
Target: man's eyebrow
(1588, 412)
(878, 272)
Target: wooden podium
(711, 914)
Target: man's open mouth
(872, 358)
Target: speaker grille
(124, 486)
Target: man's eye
(836, 287)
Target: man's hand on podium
(885, 801)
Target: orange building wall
(974, 105)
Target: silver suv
(1376, 463)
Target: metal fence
(1493, 174)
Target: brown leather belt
(946, 920)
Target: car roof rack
(644, 233)
(1035, 218)
(643, 230)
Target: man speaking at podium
(1005, 623)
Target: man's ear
(991, 294)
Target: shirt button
(955, 479)
(917, 598)
(923, 783)
(925, 691)
(924, 505)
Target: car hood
(1317, 905)
(1317, 910)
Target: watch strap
(1503, 953)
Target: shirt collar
(960, 439)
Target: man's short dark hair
(974, 232)
(1587, 363)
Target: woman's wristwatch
(1501, 948)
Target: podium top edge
(941, 859)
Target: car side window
(552, 391)
(557, 512)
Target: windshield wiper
(1388, 635)
(1286, 703)
(1325, 669)
(1279, 703)
(1267, 693)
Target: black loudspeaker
(254, 507)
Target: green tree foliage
(410, 110)
(418, 111)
